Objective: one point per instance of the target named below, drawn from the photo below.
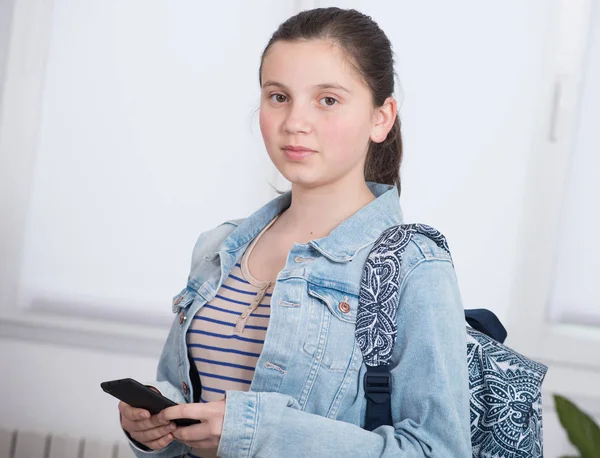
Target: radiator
(24, 444)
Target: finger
(160, 443)
(194, 411)
(132, 413)
(154, 434)
(149, 423)
(193, 433)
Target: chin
(293, 173)
(298, 174)
(304, 182)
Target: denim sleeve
(430, 390)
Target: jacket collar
(343, 242)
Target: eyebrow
(317, 86)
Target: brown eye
(279, 98)
(329, 101)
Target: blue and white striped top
(227, 334)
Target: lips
(297, 153)
(298, 149)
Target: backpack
(505, 387)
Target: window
(115, 150)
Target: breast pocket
(329, 332)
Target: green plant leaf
(583, 432)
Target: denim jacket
(306, 397)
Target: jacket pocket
(329, 336)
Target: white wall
(470, 73)
(6, 8)
(52, 388)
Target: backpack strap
(378, 391)
(376, 328)
(486, 321)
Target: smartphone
(137, 395)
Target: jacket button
(186, 390)
(181, 317)
(344, 307)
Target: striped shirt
(227, 334)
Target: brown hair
(370, 52)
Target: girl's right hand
(145, 428)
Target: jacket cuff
(239, 424)
(175, 448)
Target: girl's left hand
(203, 435)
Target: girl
(262, 349)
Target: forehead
(306, 63)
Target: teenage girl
(262, 349)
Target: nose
(298, 119)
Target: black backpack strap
(378, 391)
(485, 321)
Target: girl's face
(311, 98)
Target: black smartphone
(137, 395)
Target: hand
(149, 430)
(203, 435)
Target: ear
(383, 118)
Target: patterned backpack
(506, 405)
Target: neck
(315, 211)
